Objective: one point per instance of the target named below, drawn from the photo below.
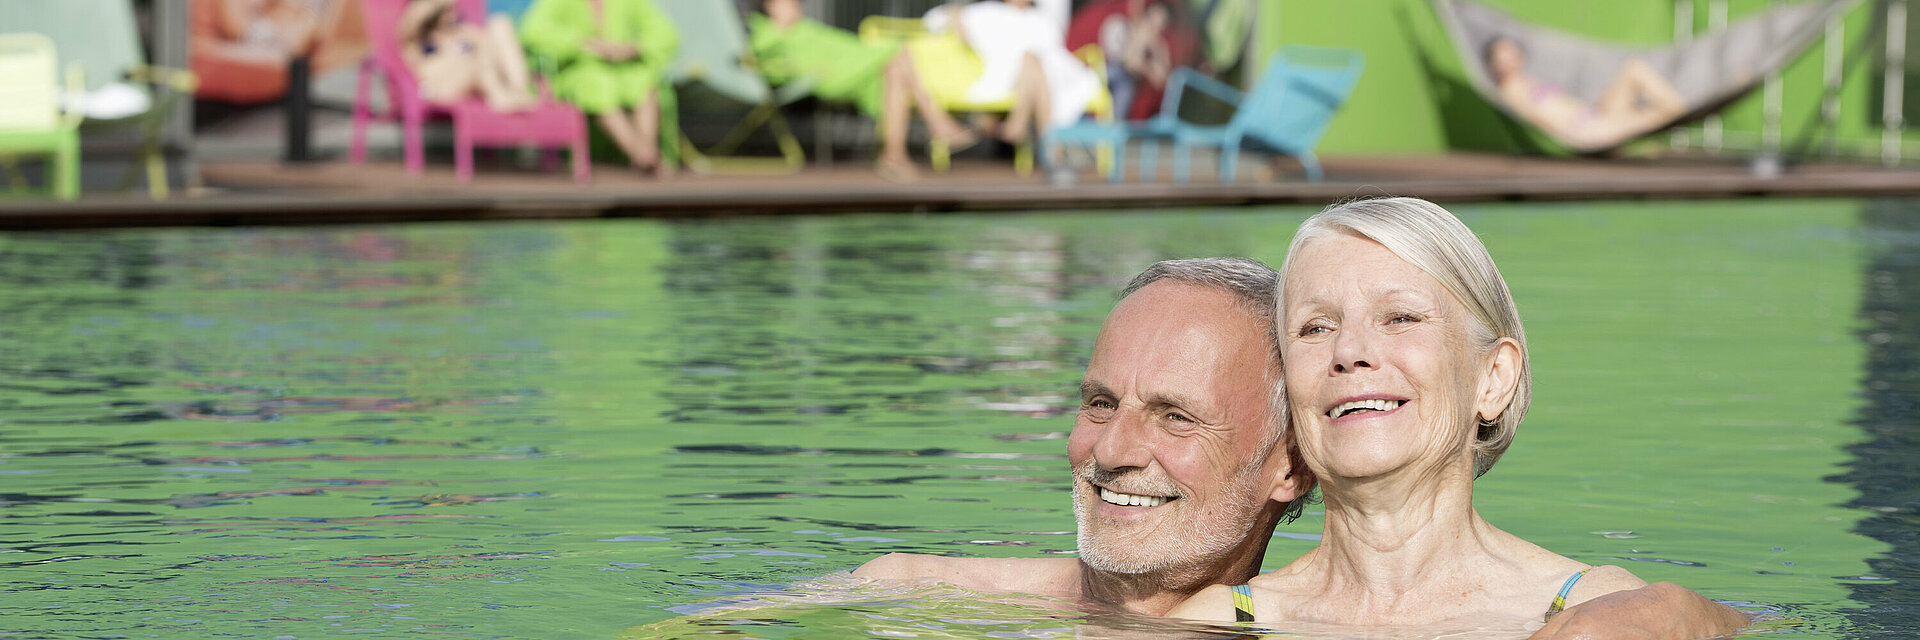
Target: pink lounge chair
(552, 124)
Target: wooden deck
(268, 192)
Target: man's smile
(1130, 499)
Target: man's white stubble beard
(1178, 539)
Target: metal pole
(1834, 69)
(1770, 107)
(1682, 34)
(1716, 20)
(1895, 82)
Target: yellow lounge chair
(948, 67)
(30, 118)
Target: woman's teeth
(1130, 500)
(1364, 405)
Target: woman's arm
(1659, 611)
(557, 29)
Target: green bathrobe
(841, 67)
(558, 29)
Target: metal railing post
(1892, 100)
(1713, 128)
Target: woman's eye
(1400, 318)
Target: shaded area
(1886, 463)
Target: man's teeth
(1130, 500)
(1364, 405)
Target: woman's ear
(1499, 380)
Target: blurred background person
(612, 58)
(454, 59)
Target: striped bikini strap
(1242, 603)
(1560, 599)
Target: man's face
(1170, 450)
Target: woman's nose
(1350, 351)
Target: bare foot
(897, 171)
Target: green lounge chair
(30, 118)
(714, 53)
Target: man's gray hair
(1433, 240)
(1254, 286)
(1251, 281)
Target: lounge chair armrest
(180, 80)
(1186, 77)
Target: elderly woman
(1406, 378)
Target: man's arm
(1658, 611)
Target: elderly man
(1178, 479)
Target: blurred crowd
(612, 59)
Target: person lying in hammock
(1638, 100)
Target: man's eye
(1179, 417)
(1099, 403)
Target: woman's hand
(612, 51)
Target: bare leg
(646, 123)
(1031, 101)
(625, 135)
(941, 124)
(894, 111)
(505, 57)
(1639, 90)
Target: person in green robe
(879, 79)
(613, 57)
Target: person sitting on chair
(879, 79)
(454, 59)
(1637, 100)
(613, 57)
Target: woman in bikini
(1406, 378)
(455, 59)
(1636, 101)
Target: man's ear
(1293, 480)
(1499, 380)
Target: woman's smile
(1365, 407)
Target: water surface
(544, 430)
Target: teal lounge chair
(30, 118)
(714, 52)
(1286, 112)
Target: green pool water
(657, 429)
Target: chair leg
(1023, 159)
(462, 149)
(415, 152)
(1312, 165)
(66, 169)
(1181, 153)
(1229, 161)
(1149, 160)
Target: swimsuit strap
(1242, 603)
(1560, 599)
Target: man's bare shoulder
(1059, 577)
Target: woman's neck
(1391, 537)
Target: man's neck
(1156, 593)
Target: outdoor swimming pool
(585, 429)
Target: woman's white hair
(1433, 240)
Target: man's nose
(1126, 442)
(1352, 350)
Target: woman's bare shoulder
(1602, 580)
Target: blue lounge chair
(1286, 112)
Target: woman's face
(1381, 376)
(784, 12)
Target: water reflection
(1884, 466)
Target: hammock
(1707, 72)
